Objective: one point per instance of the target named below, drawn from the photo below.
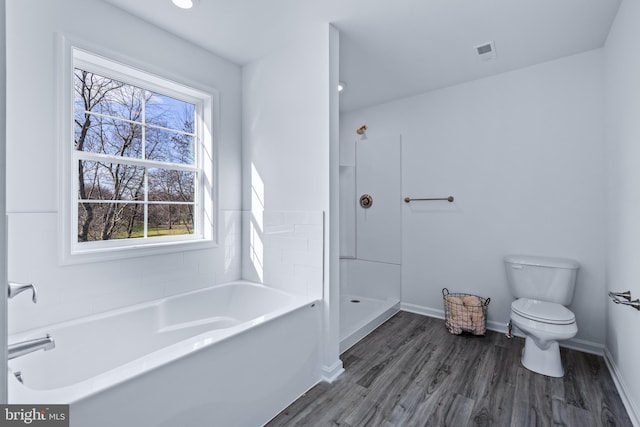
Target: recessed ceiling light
(341, 86)
(183, 4)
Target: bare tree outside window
(136, 155)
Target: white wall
(285, 147)
(622, 84)
(521, 152)
(32, 149)
(289, 118)
(3, 207)
(286, 125)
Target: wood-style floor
(412, 372)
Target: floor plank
(412, 372)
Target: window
(140, 159)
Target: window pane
(106, 96)
(169, 112)
(109, 221)
(110, 181)
(96, 134)
(171, 185)
(169, 146)
(129, 142)
(170, 220)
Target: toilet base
(545, 362)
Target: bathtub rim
(20, 393)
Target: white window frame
(206, 100)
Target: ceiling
(392, 49)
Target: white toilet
(543, 286)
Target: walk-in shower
(370, 234)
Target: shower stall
(370, 235)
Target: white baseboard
(419, 309)
(623, 389)
(574, 343)
(330, 373)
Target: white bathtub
(229, 355)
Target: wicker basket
(465, 313)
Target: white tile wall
(71, 291)
(287, 253)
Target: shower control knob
(366, 201)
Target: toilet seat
(543, 311)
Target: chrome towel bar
(448, 199)
(626, 299)
(626, 295)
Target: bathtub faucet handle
(16, 288)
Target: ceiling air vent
(486, 51)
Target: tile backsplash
(284, 249)
(280, 249)
(71, 291)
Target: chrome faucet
(16, 288)
(29, 346)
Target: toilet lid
(542, 311)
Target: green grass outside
(176, 230)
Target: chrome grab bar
(448, 199)
(615, 297)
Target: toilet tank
(542, 278)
